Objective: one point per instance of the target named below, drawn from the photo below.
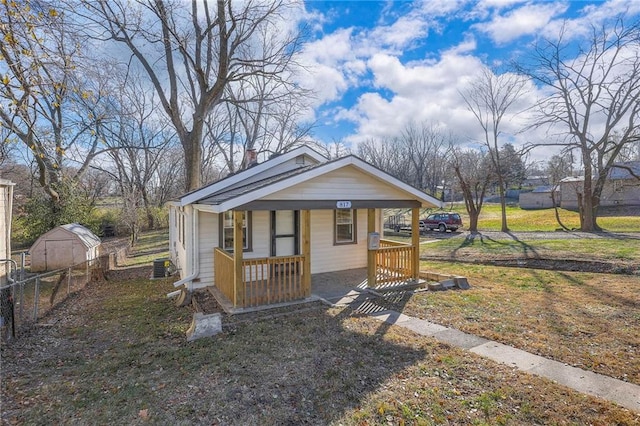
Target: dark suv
(442, 222)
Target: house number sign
(343, 204)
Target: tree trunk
(473, 221)
(503, 205)
(193, 156)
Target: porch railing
(273, 280)
(223, 266)
(266, 280)
(392, 243)
(394, 262)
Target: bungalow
(257, 236)
(622, 187)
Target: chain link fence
(27, 298)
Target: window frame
(354, 228)
(248, 220)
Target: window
(345, 226)
(226, 231)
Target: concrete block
(459, 339)
(204, 326)
(390, 317)
(462, 283)
(422, 327)
(435, 286)
(448, 284)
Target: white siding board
(208, 240)
(178, 250)
(327, 257)
(346, 183)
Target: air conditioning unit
(162, 268)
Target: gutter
(192, 250)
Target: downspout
(192, 250)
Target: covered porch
(256, 282)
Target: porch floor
(339, 287)
(342, 286)
(335, 286)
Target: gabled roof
(226, 199)
(248, 174)
(545, 188)
(88, 238)
(625, 170)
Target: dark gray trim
(326, 204)
(295, 235)
(354, 215)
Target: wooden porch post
(415, 242)
(305, 216)
(371, 254)
(238, 246)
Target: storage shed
(63, 246)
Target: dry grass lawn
(116, 353)
(588, 320)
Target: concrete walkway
(622, 393)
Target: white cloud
(331, 66)
(526, 20)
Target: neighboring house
(258, 235)
(62, 247)
(539, 198)
(622, 188)
(6, 204)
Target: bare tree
(192, 54)
(262, 114)
(137, 139)
(474, 171)
(594, 103)
(489, 98)
(558, 168)
(416, 156)
(50, 106)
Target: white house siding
(208, 240)
(178, 248)
(327, 257)
(621, 192)
(535, 200)
(346, 183)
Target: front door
(285, 233)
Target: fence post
(23, 261)
(21, 300)
(69, 281)
(36, 300)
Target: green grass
(603, 249)
(545, 220)
(150, 245)
(537, 220)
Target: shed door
(285, 225)
(58, 254)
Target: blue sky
(377, 66)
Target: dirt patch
(627, 268)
